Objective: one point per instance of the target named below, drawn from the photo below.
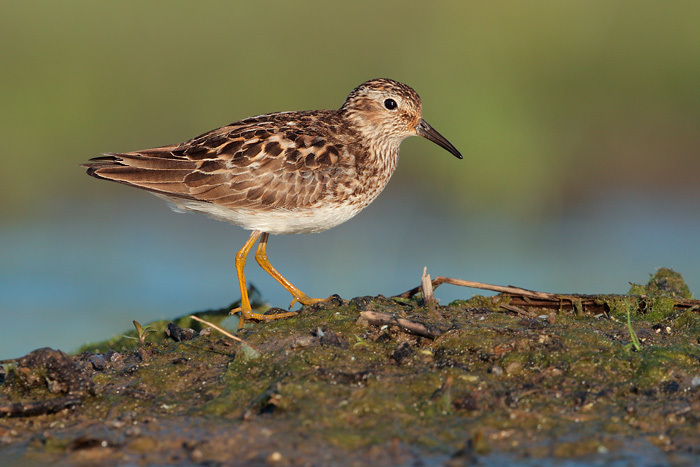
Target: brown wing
(263, 163)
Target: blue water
(82, 272)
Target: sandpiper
(282, 173)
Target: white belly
(310, 220)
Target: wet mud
(374, 380)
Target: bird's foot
(305, 300)
(248, 314)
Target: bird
(282, 173)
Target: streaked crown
(384, 107)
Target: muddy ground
(348, 383)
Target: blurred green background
(579, 123)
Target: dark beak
(430, 133)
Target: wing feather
(275, 161)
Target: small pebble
(304, 341)
(513, 367)
(98, 362)
(113, 356)
(275, 457)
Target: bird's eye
(390, 104)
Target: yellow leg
(245, 308)
(261, 258)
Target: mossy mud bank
(375, 380)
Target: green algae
(687, 321)
(657, 298)
(492, 382)
(665, 283)
(479, 301)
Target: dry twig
(480, 285)
(426, 286)
(520, 300)
(414, 327)
(224, 332)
